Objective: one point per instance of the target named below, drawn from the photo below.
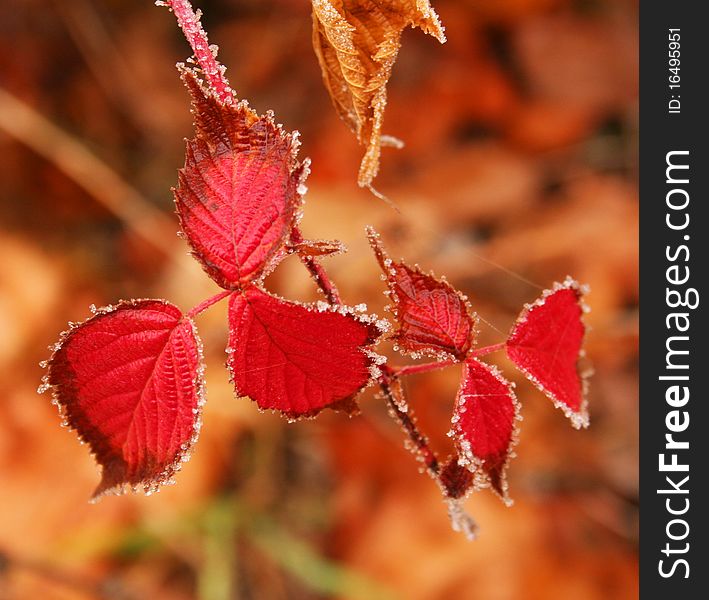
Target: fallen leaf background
(519, 168)
(356, 44)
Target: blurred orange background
(519, 168)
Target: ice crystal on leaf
(434, 318)
(546, 344)
(129, 381)
(238, 191)
(298, 359)
(484, 424)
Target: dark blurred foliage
(519, 168)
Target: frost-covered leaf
(357, 42)
(434, 318)
(129, 381)
(484, 417)
(240, 188)
(545, 344)
(455, 478)
(299, 359)
(319, 247)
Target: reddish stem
(407, 421)
(202, 306)
(316, 270)
(436, 365)
(484, 351)
(422, 368)
(213, 70)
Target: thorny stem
(405, 419)
(407, 422)
(189, 21)
(202, 306)
(317, 271)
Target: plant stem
(436, 365)
(189, 21)
(488, 350)
(422, 368)
(407, 421)
(202, 306)
(316, 270)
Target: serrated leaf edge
(165, 477)
(580, 419)
(385, 262)
(466, 456)
(375, 360)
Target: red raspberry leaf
(240, 188)
(545, 344)
(129, 381)
(484, 425)
(434, 318)
(299, 359)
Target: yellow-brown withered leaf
(356, 42)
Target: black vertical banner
(674, 170)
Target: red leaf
(299, 359)
(484, 424)
(129, 381)
(545, 344)
(455, 479)
(239, 189)
(319, 247)
(434, 318)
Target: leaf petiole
(422, 368)
(204, 305)
(485, 350)
(442, 364)
(316, 270)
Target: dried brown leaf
(357, 42)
